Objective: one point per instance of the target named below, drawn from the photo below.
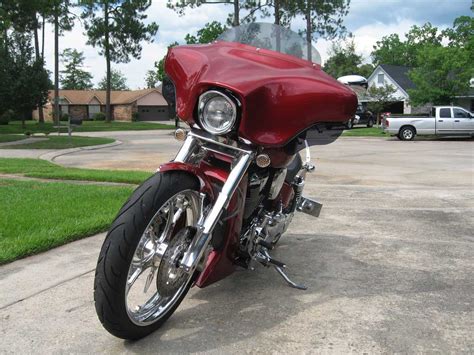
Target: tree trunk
(42, 39)
(56, 69)
(108, 116)
(277, 22)
(236, 21)
(38, 58)
(309, 31)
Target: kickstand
(287, 279)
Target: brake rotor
(170, 276)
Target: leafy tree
(27, 78)
(157, 74)
(117, 27)
(380, 97)
(392, 50)
(23, 16)
(234, 18)
(324, 18)
(117, 81)
(281, 11)
(74, 77)
(365, 70)
(443, 73)
(207, 34)
(343, 60)
(462, 33)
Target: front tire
(350, 124)
(147, 239)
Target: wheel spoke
(134, 276)
(149, 279)
(173, 218)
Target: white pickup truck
(442, 121)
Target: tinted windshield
(273, 37)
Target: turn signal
(263, 160)
(180, 134)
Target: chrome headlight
(217, 112)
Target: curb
(57, 153)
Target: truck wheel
(370, 124)
(407, 134)
(350, 124)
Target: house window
(93, 109)
(380, 79)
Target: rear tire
(119, 254)
(407, 133)
(370, 123)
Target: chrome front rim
(157, 256)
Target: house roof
(399, 74)
(84, 97)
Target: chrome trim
(241, 161)
(202, 103)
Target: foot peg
(309, 206)
(266, 259)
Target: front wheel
(138, 282)
(350, 124)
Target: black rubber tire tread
(119, 247)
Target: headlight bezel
(204, 99)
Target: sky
(367, 20)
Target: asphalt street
(388, 265)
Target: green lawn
(87, 126)
(10, 138)
(38, 216)
(365, 132)
(61, 142)
(46, 170)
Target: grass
(61, 142)
(38, 216)
(10, 138)
(365, 132)
(15, 127)
(43, 169)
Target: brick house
(83, 104)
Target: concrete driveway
(388, 265)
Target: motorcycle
(253, 100)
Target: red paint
(219, 263)
(276, 90)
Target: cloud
(368, 20)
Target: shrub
(99, 116)
(64, 117)
(6, 117)
(135, 116)
(28, 133)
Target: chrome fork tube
(204, 233)
(242, 160)
(187, 149)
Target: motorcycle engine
(263, 223)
